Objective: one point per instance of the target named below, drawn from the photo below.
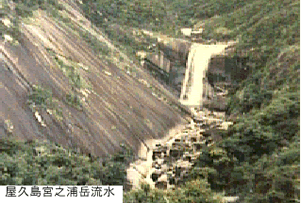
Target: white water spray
(193, 91)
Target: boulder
(225, 125)
(156, 154)
(184, 165)
(198, 146)
(157, 166)
(198, 119)
(141, 54)
(160, 161)
(155, 174)
(187, 156)
(163, 178)
(193, 139)
(162, 182)
(184, 174)
(171, 187)
(175, 153)
(164, 167)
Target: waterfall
(195, 84)
(188, 71)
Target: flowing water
(199, 57)
(195, 87)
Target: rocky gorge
(171, 160)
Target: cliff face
(65, 82)
(174, 49)
(221, 70)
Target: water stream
(195, 88)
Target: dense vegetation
(265, 139)
(41, 163)
(193, 191)
(263, 145)
(259, 157)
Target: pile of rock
(173, 160)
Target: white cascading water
(197, 66)
(188, 71)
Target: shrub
(40, 96)
(41, 163)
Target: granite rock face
(91, 101)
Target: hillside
(63, 72)
(71, 78)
